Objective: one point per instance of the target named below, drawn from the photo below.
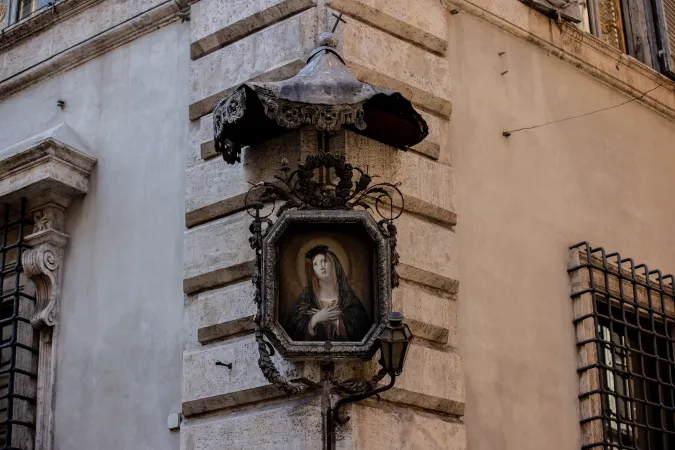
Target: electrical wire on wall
(510, 132)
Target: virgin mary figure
(327, 309)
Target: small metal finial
(337, 22)
(395, 318)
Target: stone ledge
(430, 314)
(422, 22)
(387, 61)
(294, 424)
(207, 150)
(274, 53)
(432, 380)
(218, 277)
(218, 253)
(55, 160)
(229, 311)
(426, 148)
(95, 44)
(225, 312)
(215, 189)
(421, 98)
(427, 278)
(427, 247)
(428, 186)
(208, 387)
(386, 427)
(213, 24)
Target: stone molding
(236, 21)
(580, 49)
(422, 23)
(42, 20)
(91, 46)
(49, 161)
(47, 169)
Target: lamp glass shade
(385, 351)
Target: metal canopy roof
(324, 94)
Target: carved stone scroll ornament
(41, 266)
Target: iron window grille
(625, 329)
(18, 343)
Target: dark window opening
(18, 340)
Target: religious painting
(326, 284)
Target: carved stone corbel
(42, 266)
(42, 262)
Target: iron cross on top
(337, 22)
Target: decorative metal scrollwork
(325, 181)
(300, 189)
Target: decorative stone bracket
(48, 170)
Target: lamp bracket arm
(358, 397)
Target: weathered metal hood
(324, 94)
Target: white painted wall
(119, 361)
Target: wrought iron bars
(18, 356)
(625, 328)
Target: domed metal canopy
(324, 94)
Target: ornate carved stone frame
(294, 350)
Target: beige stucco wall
(606, 178)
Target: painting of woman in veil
(330, 298)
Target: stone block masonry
(402, 47)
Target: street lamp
(394, 342)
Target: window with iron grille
(625, 329)
(18, 344)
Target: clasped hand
(324, 315)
